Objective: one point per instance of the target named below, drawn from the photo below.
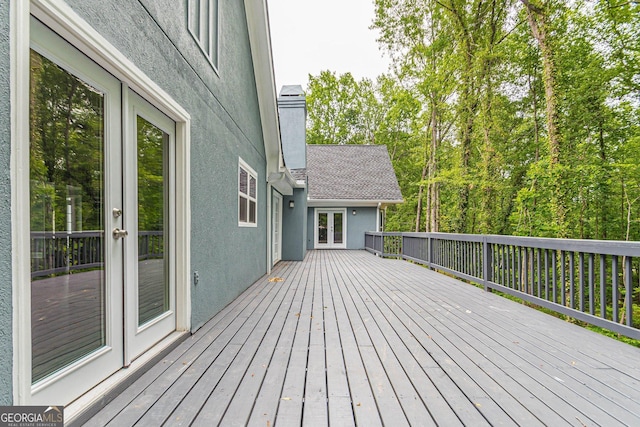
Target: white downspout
(269, 219)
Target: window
(203, 26)
(247, 195)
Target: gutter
(284, 182)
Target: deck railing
(59, 252)
(597, 282)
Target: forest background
(516, 117)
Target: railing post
(487, 264)
(429, 251)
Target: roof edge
(260, 41)
(350, 202)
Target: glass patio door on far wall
(330, 229)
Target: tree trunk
(434, 190)
(420, 192)
(537, 17)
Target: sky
(309, 36)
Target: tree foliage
(501, 116)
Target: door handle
(119, 234)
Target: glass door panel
(75, 177)
(323, 228)
(67, 218)
(149, 165)
(337, 228)
(153, 283)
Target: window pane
(243, 209)
(322, 228)
(252, 212)
(337, 228)
(194, 16)
(213, 32)
(243, 181)
(204, 26)
(202, 22)
(66, 218)
(252, 187)
(153, 278)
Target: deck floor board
(347, 338)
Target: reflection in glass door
(323, 228)
(337, 228)
(153, 283)
(330, 229)
(67, 221)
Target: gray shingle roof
(351, 172)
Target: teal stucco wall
(6, 313)
(364, 220)
(294, 229)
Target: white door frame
(276, 229)
(138, 339)
(58, 16)
(330, 243)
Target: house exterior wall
(294, 231)
(6, 322)
(293, 117)
(364, 220)
(225, 126)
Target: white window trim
(252, 173)
(212, 37)
(57, 15)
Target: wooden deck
(351, 339)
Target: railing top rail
(604, 247)
(384, 233)
(88, 233)
(449, 236)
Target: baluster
(603, 287)
(554, 279)
(592, 286)
(546, 274)
(581, 273)
(572, 279)
(539, 270)
(614, 288)
(628, 286)
(563, 279)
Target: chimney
(292, 107)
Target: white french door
(102, 220)
(149, 161)
(330, 229)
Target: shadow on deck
(348, 338)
